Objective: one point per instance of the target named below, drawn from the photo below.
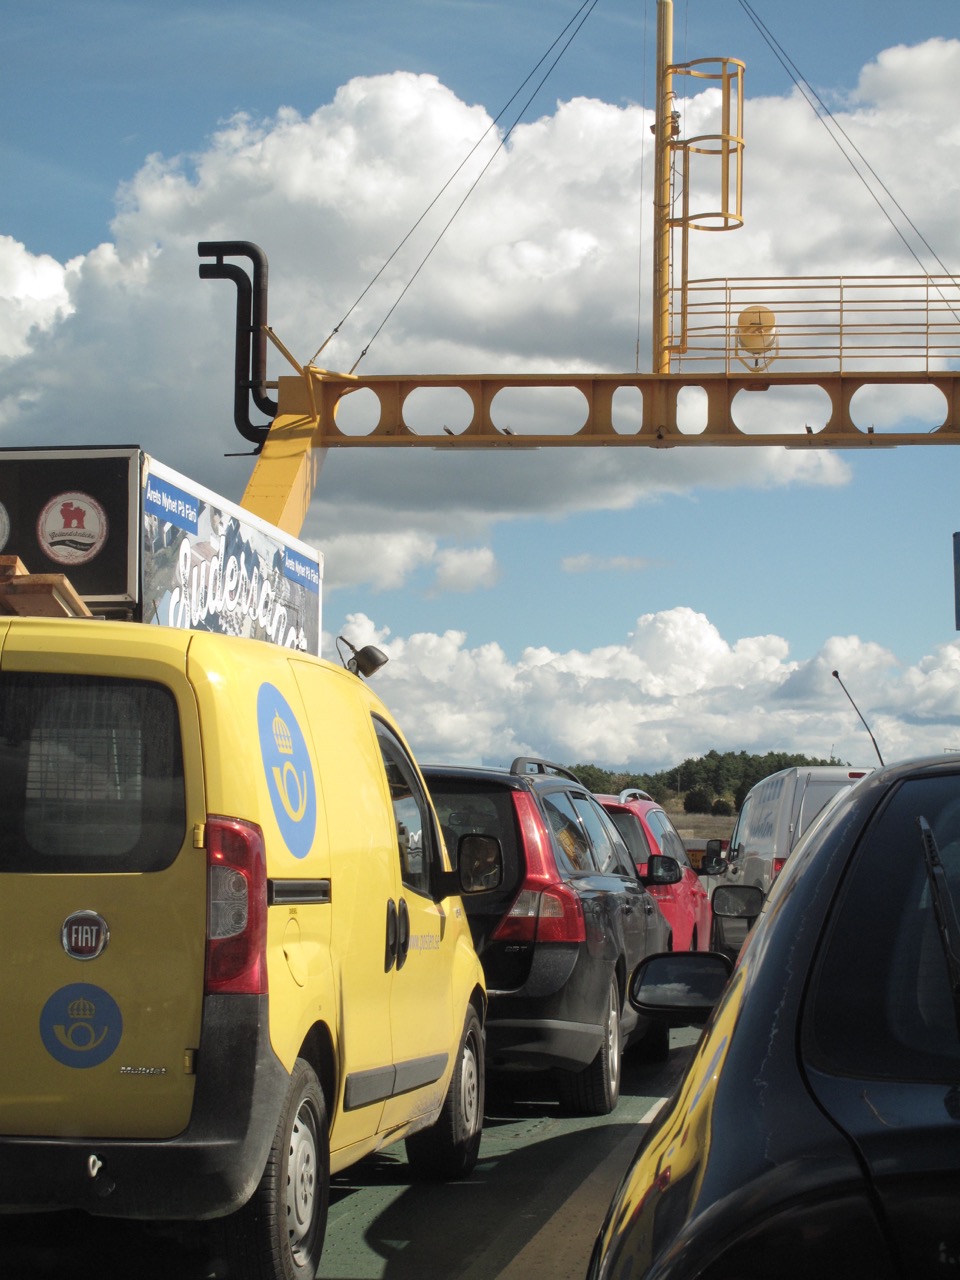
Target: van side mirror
(662, 869)
(365, 661)
(479, 863)
(712, 863)
(737, 902)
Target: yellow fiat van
(235, 958)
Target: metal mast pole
(665, 128)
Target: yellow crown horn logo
(282, 736)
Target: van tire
(449, 1148)
(278, 1234)
(595, 1090)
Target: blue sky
(91, 87)
(632, 609)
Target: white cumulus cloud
(673, 688)
(537, 273)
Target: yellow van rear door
(103, 889)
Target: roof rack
(530, 764)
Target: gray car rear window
(91, 775)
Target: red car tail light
(236, 958)
(520, 922)
(545, 909)
(538, 856)
(778, 865)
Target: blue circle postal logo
(288, 769)
(81, 1025)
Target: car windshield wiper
(944, 910)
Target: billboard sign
(139, 540)
(208, 565)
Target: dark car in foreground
(561, 936)
(816, 1132)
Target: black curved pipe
(250, 365)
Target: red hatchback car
(646, 829)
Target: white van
(774, 816)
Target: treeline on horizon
(714, 783)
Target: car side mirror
(680, 987)
(479, 863)
(662, 869)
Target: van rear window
(91, 774)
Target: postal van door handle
(403, 941)
(393, 934)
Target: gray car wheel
(595, 1090)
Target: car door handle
(403, 934)
(393, 934)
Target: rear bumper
(210, 1169)
(555, 1018)
(537, 1044)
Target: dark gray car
(562, 935)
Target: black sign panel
(70, 511)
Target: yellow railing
(843, 324)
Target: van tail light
(778, 865)
(236, 958)
(545, 909)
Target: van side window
(416, 840)
(91, 774)
(740, 830)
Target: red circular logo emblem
(72, 528)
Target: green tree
(698, 800)
(725, 775)
(596, 779)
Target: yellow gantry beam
(617, 410)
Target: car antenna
(836, 676)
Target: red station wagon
(646, 829)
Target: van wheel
(449, 1148)
(595, 1090)
(278, 1234)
